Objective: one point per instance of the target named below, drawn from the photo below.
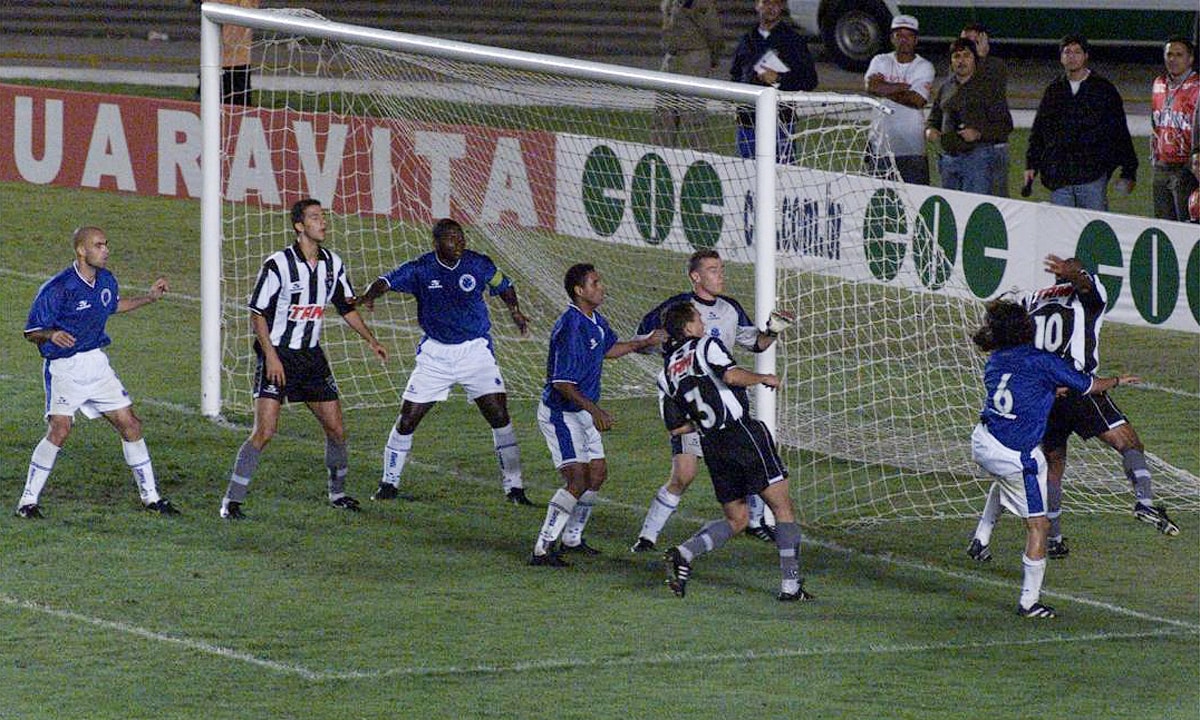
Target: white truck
(854, 31)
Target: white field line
(683, 658)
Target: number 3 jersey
(1020, 383)
(1067, 322)
(693, 390)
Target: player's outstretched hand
(771, 381)
(357, 303)
(778, 321)
(521, 321)
(1128, 380)
(159, 288)
(603, 420)
(380, 351)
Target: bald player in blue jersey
(67, 324)
(1020, 382)
(569, 413)
(449, 284)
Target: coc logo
(650, 196)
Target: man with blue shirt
(449, 284)
(1021, 382)
(67, 323)
(569, 416)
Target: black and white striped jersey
(693, 389)
(292, 295)
(1067, 322)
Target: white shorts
(441, 367)
(687, 444)
(84, 382)
(1021, 476)
(571, 436)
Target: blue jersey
(68, 302)
(578, 345)
(450, 304)
(1020, 383)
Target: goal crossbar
(766, 101)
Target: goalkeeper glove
(779, 321)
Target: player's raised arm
(157, 290)
(625, 347)
(1069, 270)
(509, 296)
(376, 289)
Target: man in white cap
(903, 79)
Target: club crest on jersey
(302, 313)
(466, 283)
(105, 297)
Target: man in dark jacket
(772, 53)
(1079, 135)
(969, 118)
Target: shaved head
(83, 234)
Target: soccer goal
(550, 161)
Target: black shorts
(306, 373)
(741, 459)
(1085, 415)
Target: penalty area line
(128, 629)
(659, 659)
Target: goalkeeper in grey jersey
(725, 320)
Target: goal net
(548, 162)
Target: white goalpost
(549, 161)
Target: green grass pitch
(425, 608)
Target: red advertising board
(360, 165)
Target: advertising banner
(868, 230)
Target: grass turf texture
(426, 606)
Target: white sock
(137, 457)
(573, 534)
(989, 516)
(509, 454)
(558, 511)
(757, 509)
(395, 454)
(661, 508)
(40, 465)
(1031, 586)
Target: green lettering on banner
(1098, 245)
(885, 217)
(985, 230)
(602, 175)
(935, 242)
(701, 188)
(652, 196)
(1192, 280)
(1154, 276)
